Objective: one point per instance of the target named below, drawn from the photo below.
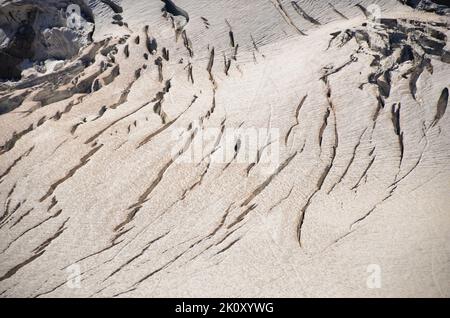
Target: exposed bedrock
(35, 31)
(437, 6)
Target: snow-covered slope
(127, 138)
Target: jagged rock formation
(435, 6)
(37, 31)
(99, 163)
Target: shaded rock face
(20, 47)
(437, 6)
(8, 67)
(22, 41)
(36, 31)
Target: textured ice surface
(97, 124)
